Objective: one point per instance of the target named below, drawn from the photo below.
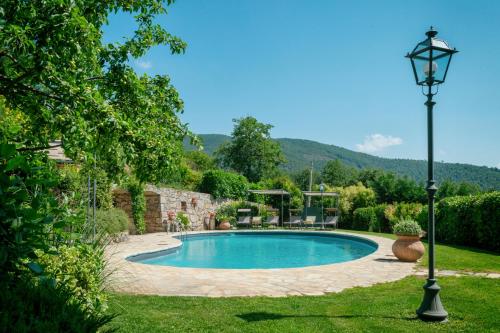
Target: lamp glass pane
(419, 69)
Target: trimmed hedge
(470, 220)
(365, 219)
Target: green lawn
(455, 257)
(473, 304)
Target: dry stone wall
(160, 200)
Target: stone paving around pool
(132, 277)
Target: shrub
(407, 227)
(111, 221)
(398, 211)
(383, 224)
(80, 270)
(470, 220)
(222, 184)
(183, 219)
(365, 219)
(40, 307)
(351, 198)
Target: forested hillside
(299, 154)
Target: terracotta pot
(225, 225)
(408, 248)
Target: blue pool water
(261, 250)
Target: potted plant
(183, 220)
(224, 223)
(408, 246)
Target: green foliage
(30, 216)
(407, 227)
(56, 70)
(336, 173)
(365, 219)
(227, 212)
(80, 270)
(470, 220)
(401, 211)
(199, 161)
(251, 151)
(295, 200)
(41, 307)
(138, 199)
(449, 188)
(183, 219)
(391, 188)
(301, 178)
(73, 186)
(111, 221)
(351, 198)
(223, 184)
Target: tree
(301, 178)
(251, 151)
(336, 173)
(199, 161)
(65, 83)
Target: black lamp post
(322, 189)
(430, 60)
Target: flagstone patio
(132, 277)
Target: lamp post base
(431, 308)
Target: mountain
(299, 154)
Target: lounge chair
(295, 221)
(244, 218)
(273, 220)
(310, 221)
(331, 221)
(256, 221)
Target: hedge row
(470, 220)
(462, 220)
(383, 217)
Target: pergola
(320, 194)
(280, 192)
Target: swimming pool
(245, 250)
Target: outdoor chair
(244, 221)
(273, 220)
(331, 221)
(257, 221)
(295, 221)
(310, 221)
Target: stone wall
(159, 201)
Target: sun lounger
(295, 221)
(331, 221)
(256, 221)
(310, 221)
(273, 220)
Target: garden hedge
(470, 220)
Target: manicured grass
(472, 302)
(455, 257)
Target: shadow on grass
(262, 316)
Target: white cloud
(498, 166)
(378, 142)
(144, 64)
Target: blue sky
(335, 72)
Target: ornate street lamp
(322, 189)
(430, 60)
